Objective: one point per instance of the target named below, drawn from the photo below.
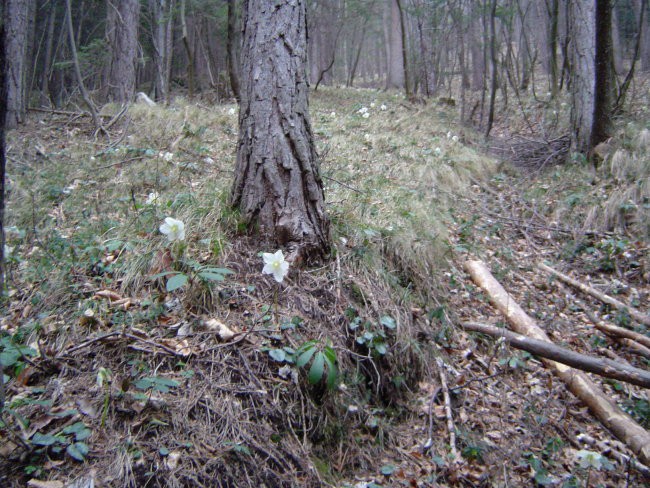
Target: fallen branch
(608, 450)
(601, 366)
(614, 331)
(603, 407)
(634, 313)
(636, 348)
(450, 418)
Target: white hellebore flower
(372, 105)
(276, 265)
(454, 138)
(333, 114)
(437, 151)
(173, 229)
(383, 107)
(363, 110)
(168, 157)
(365, 115)
(231, 111)
(152, 199)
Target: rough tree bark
(3, 119)
(601, 128)
(232, 43)
(582, 52)
(16, 13)
(122, 40)
(277, 183)
(395, 61)
(645, 33)
(162, 18)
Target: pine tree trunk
(122, 19)
(277, 184)
(15, 55)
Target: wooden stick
(636, 348)
(450, 418)
(634, 313)
(601, 366)
(613, 330)
(603, 407)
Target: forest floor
(348, 374)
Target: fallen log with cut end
(601, 366)
(604, 408)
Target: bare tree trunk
(162, 20)
(620, 99)
(277, 182)
(493, 71)
(77, 70)
(478, 58)
(3, 162)
(122, 39)
(16, 60)
(583, 72)
(554, 14)
(188, 52)
(395, 61)
(47, 58)
(232, 48)
(602, 125)
(645, 38)
(405, 64)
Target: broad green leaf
(278, 354)
(221, 271)
(45, 440)
(316, 370)
(332, 372)
(330, 354)
(176, 282)
(381, 348)
(207, 275)
(78, 451)
(79, 430)
(164, 273)
(9, 358)
(388, 322)
(305, 357)
(387, 469)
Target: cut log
(634, 313)
(604, 408)
(601, 366)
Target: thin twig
(450, 419)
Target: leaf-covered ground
(133, 361)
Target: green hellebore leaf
(317, 368)
(176, 282)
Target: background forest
(461, 145)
